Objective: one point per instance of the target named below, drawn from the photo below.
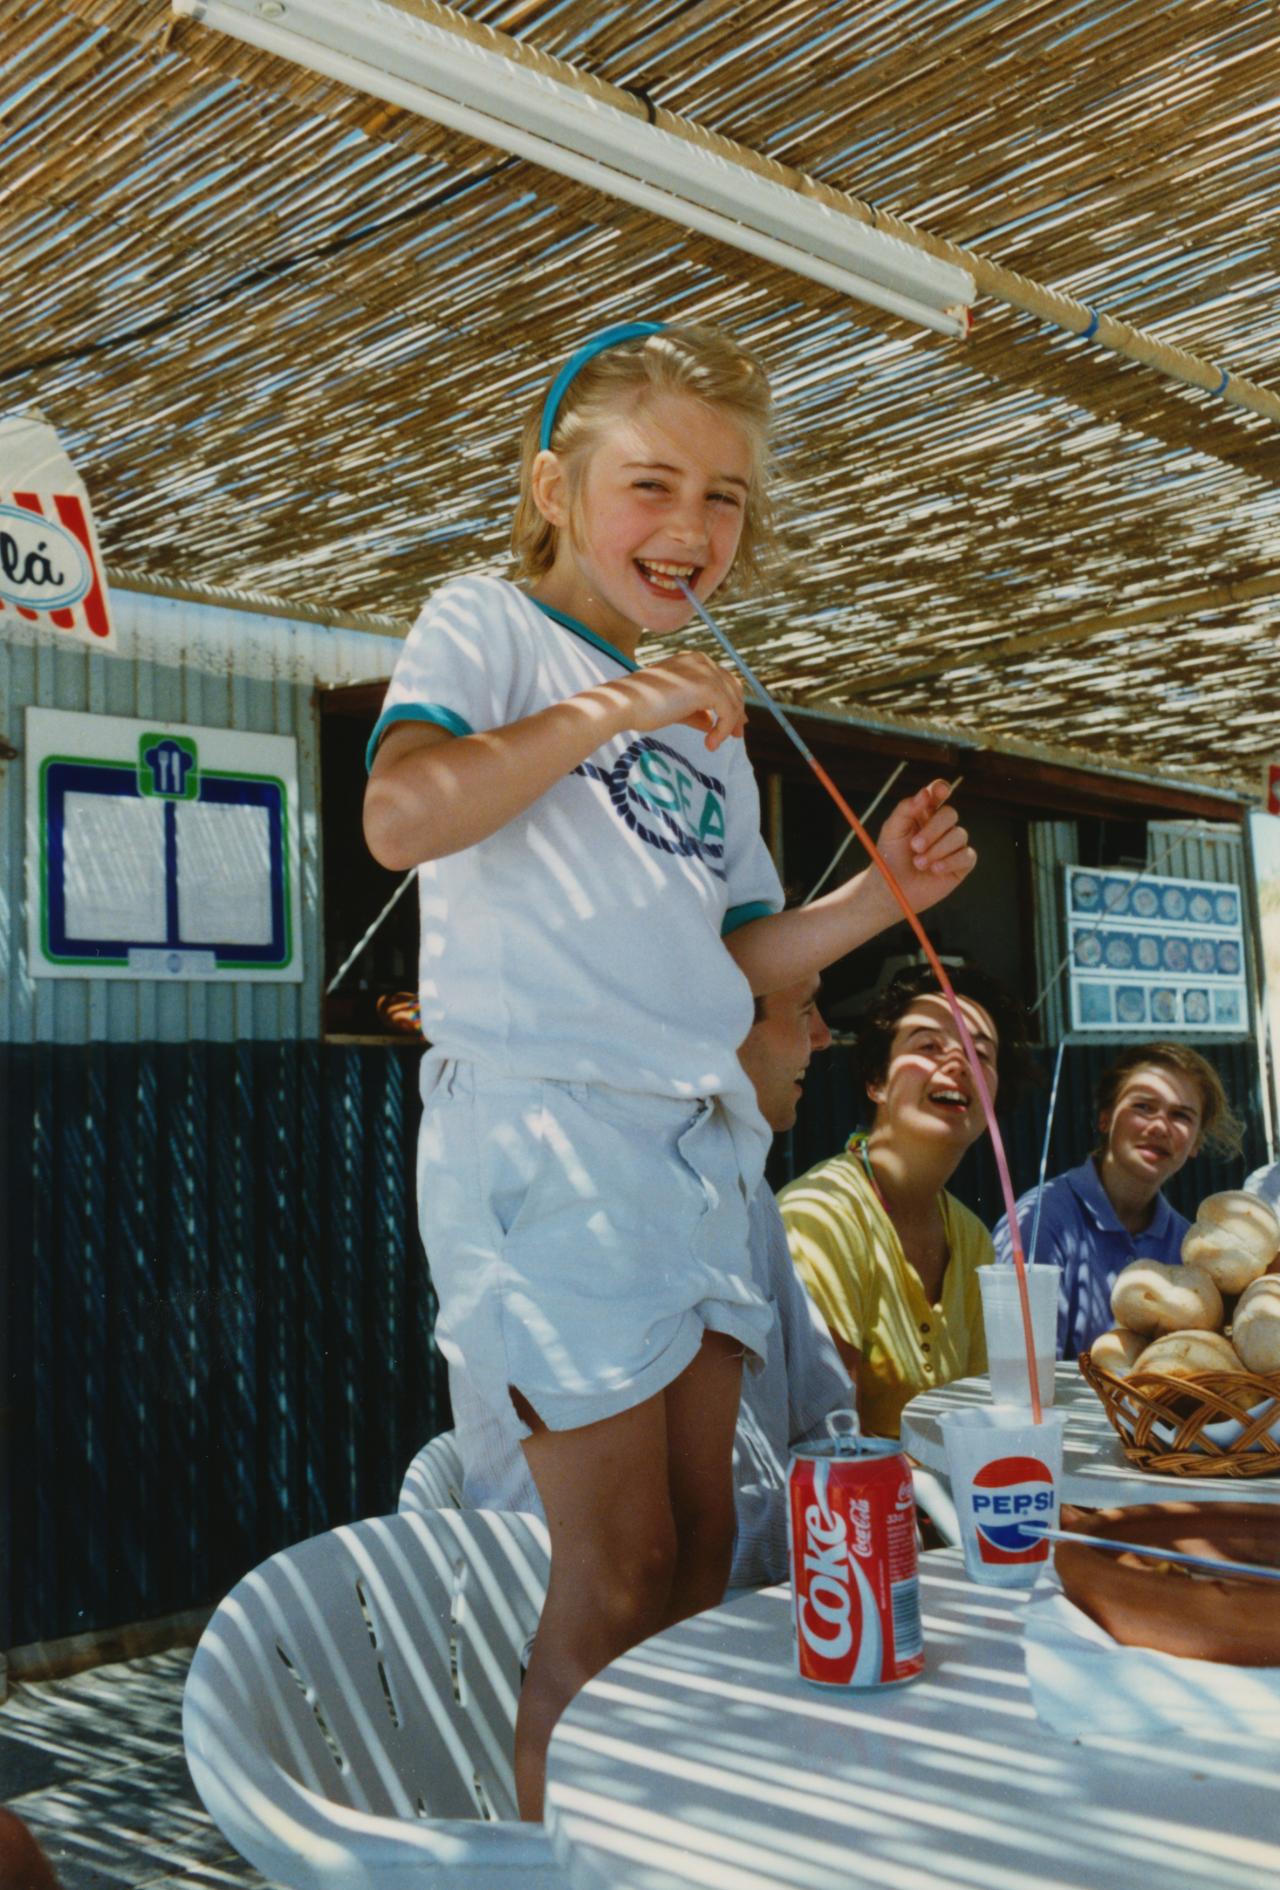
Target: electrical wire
(850, 837)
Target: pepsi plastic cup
(1005, 1474)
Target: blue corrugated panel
(219, 1313)
(217, 1318)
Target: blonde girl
(597, 909)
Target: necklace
(857, 1146)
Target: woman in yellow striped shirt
(889, 1256)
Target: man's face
(777, 1050)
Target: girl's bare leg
(640, 1513)
(702, 1410)
(613, 1555)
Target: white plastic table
(1096, 1474)
(701, 1760)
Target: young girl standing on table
(597, 909)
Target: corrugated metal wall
(215, 1312)
(218, 1315)
(1196, 849)
(212, 668)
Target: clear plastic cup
(1002, 1320)
(1006, 1473)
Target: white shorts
(581, 1240)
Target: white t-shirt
(582, 942)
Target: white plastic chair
(349, 1714)
(434, 1478)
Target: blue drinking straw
(1044, 1153)
(1154, 1553)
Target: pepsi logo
(1008, 1496)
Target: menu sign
(1149, 955)
(160, 851)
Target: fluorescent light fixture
(396, 55)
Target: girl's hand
(688, 688)
(926, 847)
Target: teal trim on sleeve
(414, 712)
(743, 915)
(567, 622)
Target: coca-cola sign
(51, 573)
(860, 1517)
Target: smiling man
(889, 1256)
(1157, 1105)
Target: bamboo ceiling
(288, 333)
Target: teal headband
(607, 338)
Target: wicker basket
(1165, 1423)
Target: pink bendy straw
(944, 983)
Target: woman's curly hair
(874, 1031)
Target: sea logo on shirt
(1012, 1501)
(666, 801)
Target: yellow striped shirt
(847, 1252)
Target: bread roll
(1187, 1354)
(1150, 1297)
(1234, 1240)
(1255, 1330)
(1115, 1351)
(1248, 1213)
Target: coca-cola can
(851, 1524)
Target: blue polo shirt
(1080, 1233)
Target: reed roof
(288, 334)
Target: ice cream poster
(1155, 953)
(50, 565)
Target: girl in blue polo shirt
(1157, 1106)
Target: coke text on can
(854, 1582)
